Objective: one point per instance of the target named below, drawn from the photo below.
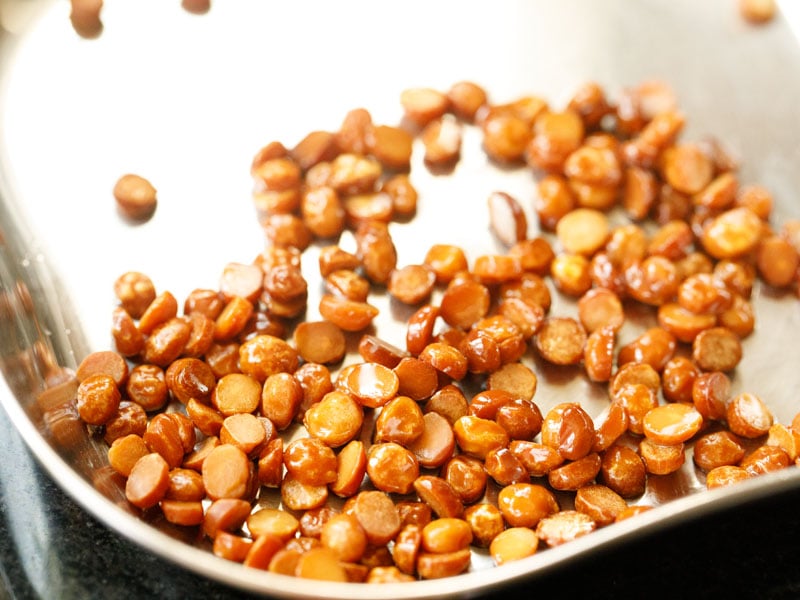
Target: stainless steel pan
(186, 100)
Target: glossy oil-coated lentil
(403, 424)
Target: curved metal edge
(45, 388)
(469, 584)
(41, 325)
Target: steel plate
(186, 100)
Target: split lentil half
(392, 468)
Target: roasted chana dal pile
(396, 466)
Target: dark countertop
(53, 549)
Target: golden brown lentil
(332, 181)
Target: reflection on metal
(75, 114)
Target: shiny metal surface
(186, 100)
